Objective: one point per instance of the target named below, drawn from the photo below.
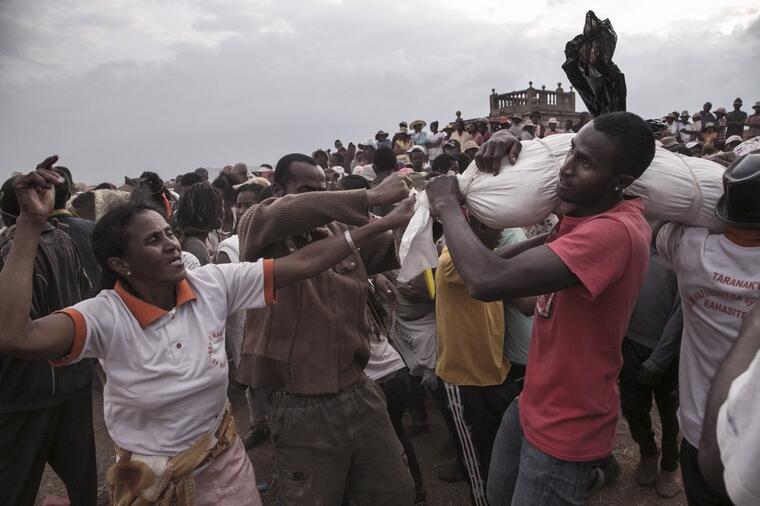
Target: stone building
(558, 104)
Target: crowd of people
(283, 281)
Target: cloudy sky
(120, 86)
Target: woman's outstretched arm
(321, 255)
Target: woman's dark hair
(109, 238)
(633, 140)
(353, 182)
(225, 183)
(282, 171)
(198, 211)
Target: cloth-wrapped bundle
(674, 188)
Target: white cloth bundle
(674, 188)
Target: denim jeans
(520, 474)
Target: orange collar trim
(745, 237)
(146, 313)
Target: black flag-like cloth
(589, 67)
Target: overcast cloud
(116, 87)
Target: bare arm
(488, 277)
(272, 221)
(50, 337)
(737, 361)
(321, 255)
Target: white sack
(674, 188)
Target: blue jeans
(520, 474)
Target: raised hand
(443, 188)
(491, 153)
(401, 214)
(35, 191)
(393, 189)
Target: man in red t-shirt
(587, 274)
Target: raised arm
(321, 255)
(273, 220)
(488, 277)
(50, 337)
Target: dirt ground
(624, 492)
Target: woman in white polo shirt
(159, 331)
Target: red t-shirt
(569, 406)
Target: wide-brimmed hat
(757, 105)
(668, 142)
(684, 113)
(381, 133)
(517, 116)
(369, 143)
(552, 120)
(453, 143)
(528, 123)
(417, 147)
(417, 122)
(709, 125)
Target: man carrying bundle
(587, 273)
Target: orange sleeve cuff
(269, 292)
(80, 333)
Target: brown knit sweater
(315, 339)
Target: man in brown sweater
(332, 435)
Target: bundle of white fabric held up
(674, 188)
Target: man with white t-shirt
(719, 282)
